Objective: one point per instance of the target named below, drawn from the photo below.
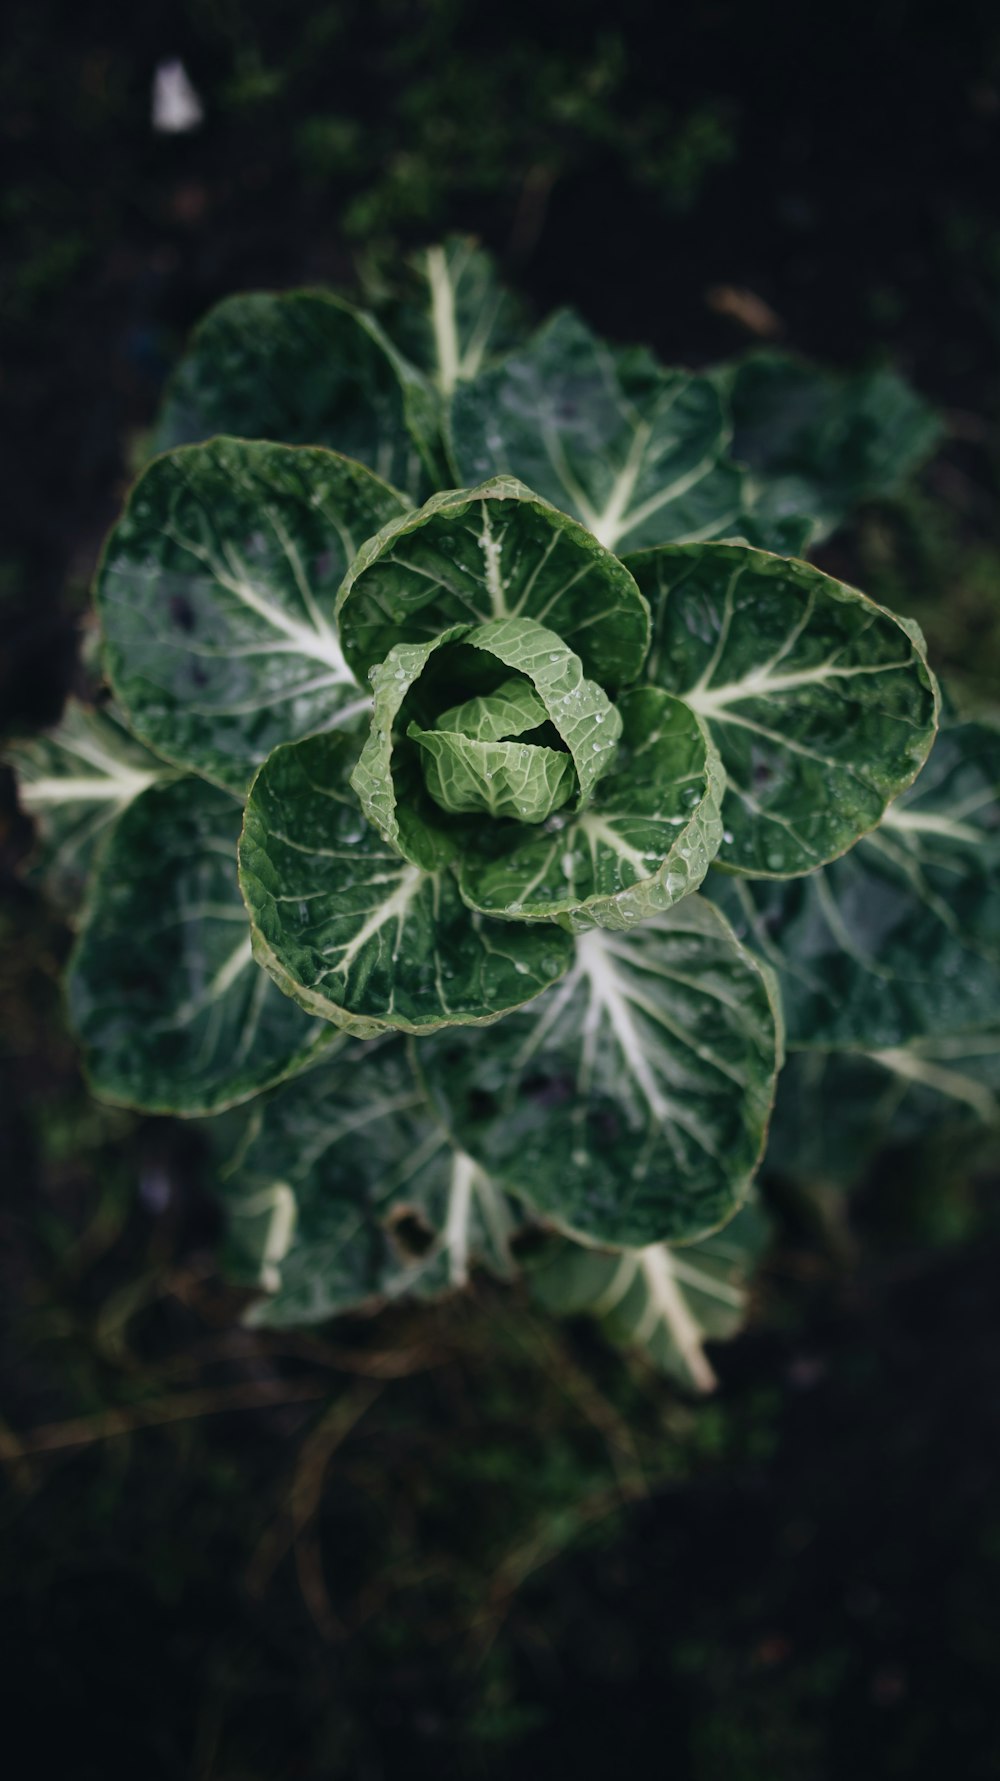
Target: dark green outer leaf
(173, 1013)
(216, 596)
(836, 1111)
(456, 314)
(629, 1105)
(300, 368)
(900, 940)
(666, 1302)
(495, 552)
(818, 444)
(347, 1191)
(644, 842)
(636, 453)
(820, 703)
(75, 782)
(356, 934)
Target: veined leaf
(358, 935)
(522, 780)
(644, 841)
(577, 708)
(216, 595)
(820, 703)
(836, 1111)
(173, 1013)
(900, 940)
(495, 552)
(456, 316)
(75, 781)
(636, 453)
(629, 1105)
(818, 444)
(300, 368)
(346, 1191)
(667, 1302)
(410, 823)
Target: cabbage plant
(487, 781)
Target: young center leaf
(663, 1302)
(900, 939)
(359, 935)
(495, 552)
(172, 1011)
(346, 1191)
(637, 453)
(629, 1105)
(644, 840)
(75, 781)
(300, 368)
(820, 703)
(216, 596)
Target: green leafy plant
(484, 787)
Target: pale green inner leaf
(516, 779)
(644, 841)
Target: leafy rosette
(409, 796)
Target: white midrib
(609, 525)
(947, 1082)
(707, 700)
(666, 1301)
(456, 1228)
(319, 645)
(392, 909)
(491, 549)
(606, 994)
(596, 827)
(120, 789)
(443, 320)
(912, 822)
(280, 1202)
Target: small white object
(176, 105)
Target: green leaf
(358, 935)
(173, 1013)
(820, 703)
(346, 1191)
(411, 823)
(666, 1302)
(516, 779)
(512, 710)
(643, 843)
(629, 1105)
(900, 939)
(480, 776)
(637, 453)
(818, 443)
(577, 708)
(75, 782)
(456, 314)
(216, 596)
(495, 552)
(300, 368)
(836, 1111)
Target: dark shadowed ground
(466, 1542)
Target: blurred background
(470, 1541)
